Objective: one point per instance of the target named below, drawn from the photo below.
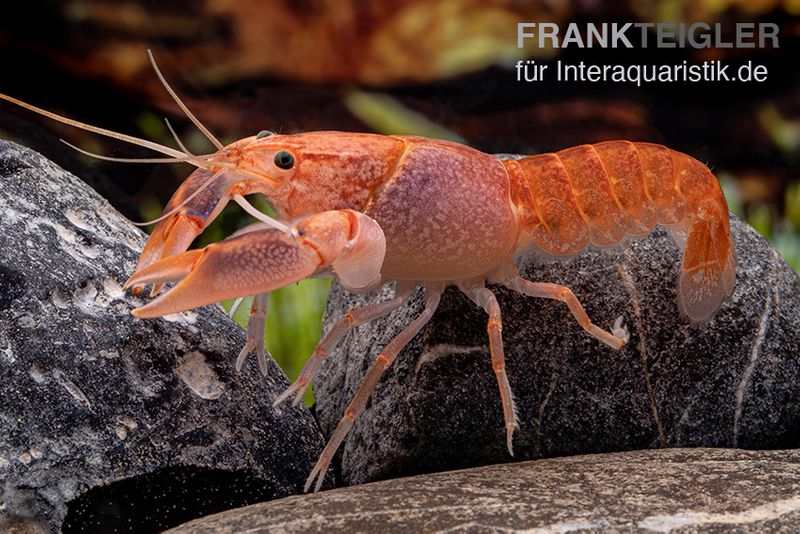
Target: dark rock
(687, 490)
(27, 129)
(734, 382)
(106, 421)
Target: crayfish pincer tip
(153, 309)
(134, 283)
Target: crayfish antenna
(174, 95)
(95, 129)
(189, 159)
(176, 138)
(180, 156)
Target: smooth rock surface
(112, 422)
(674, 490)
(734, 382)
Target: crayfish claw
(262, 261)
(156, 289)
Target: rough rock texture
(734, 382)
(111, 421)
(681, 489)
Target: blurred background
(435, 68)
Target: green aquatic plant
(294, 324)
(782, 232)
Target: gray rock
(734, 382)
(110, 422)
(713, 490)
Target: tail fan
(708, 270)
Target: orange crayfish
(372, 209)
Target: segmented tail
(600, 194)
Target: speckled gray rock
(735, 382)
(680, 490)
(111, 421)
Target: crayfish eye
(284, 160)
(263, 133)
